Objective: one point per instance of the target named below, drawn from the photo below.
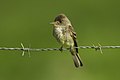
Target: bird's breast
(58, 34)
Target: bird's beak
(52, 23)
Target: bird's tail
(76, 58)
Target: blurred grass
(27, 22)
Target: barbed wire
(99, 47)
(57, 49)
(24, 49)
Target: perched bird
(65, 34)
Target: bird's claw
(61, 49)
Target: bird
(64, 33)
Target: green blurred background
(27, 22)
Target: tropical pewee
(65, 34)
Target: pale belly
(63, 37)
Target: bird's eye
(62, 20)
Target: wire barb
(100, 48)
(29, 51)
(23, 53)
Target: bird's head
(62, 18)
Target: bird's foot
(61, 49)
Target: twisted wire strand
(57, 49)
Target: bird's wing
(72, 32)
(73, 35)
